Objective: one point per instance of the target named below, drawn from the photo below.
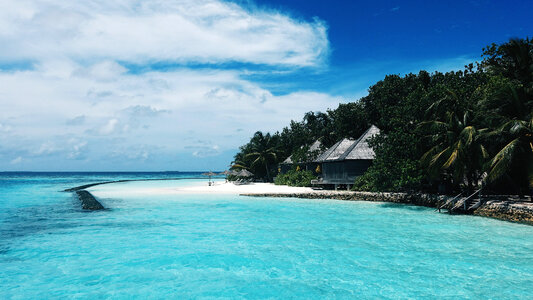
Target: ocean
(194, 246)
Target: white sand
(250, 188)
(220, 187)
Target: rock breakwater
(505, 208)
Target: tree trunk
(268, 173)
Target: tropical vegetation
(440, 132)
(295, 177)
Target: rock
(498, 207)
(88, 201)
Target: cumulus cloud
(86, 87)
(110, 127)
(141, 110)
(205, 31)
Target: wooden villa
(288, 163)
(346, 160)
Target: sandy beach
(250, 188)
(219, 187)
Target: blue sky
(179, 85)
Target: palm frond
(502, 161)
(257, 161)
(484, 152)
(429, 153)
(433, 125)
(437, 157)
(468, 133)
(239, 166)
(252, 154)
(453, 156)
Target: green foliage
(303, 155)
(508, 102)
(348, 121)
(393, 169)
(295, 178)
(458, 150)
(436, 128)
(258, 156)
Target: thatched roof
(314, 147)
(245, 173)
(336, 151)
(348, 149)
(361, 149)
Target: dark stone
(88, 201)
(499, 207)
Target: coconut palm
(263, 152)
(458, 149)
(517, 155)
(239, 165)
(510, 103)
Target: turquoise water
(224, 246)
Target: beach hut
(311, 165)
(245, 173)
(346, 160)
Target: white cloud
(205, 31)
(140, 111)
(107, 70)
(80, 93)
(110, 127)
(155, 108)
(77, 149)
(47, 148)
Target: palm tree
(509, 102)
(263, 152)
(239, 165)
(457, 150)
(517, 155)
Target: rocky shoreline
(505, 208)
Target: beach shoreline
(503, 208)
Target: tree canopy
(459, 129)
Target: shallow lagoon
(226, 246)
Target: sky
(164, 85)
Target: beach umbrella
(245, 173)
(209, 174)
(226, 173)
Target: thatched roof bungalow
(347, 159)
(288, 163)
